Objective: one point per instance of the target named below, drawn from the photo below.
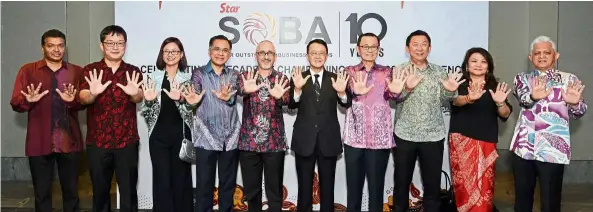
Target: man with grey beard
(262, 141)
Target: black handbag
(447, 196)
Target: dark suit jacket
(317, 119)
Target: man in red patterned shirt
(53, 134)
(112, 134)
(262, 142)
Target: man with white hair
(541, 141)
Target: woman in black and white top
(169, 122)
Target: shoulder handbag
(187, 152)
(447, 196)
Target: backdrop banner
(454, 27)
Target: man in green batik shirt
(419, 127)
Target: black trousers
(228, 162)
(42, 173)
(430, 157)
(102, 164)
(305, 168)
(271, 164)
(371, 163)
(172, 188)
(550, 183)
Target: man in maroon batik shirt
(111, 90)
(53, 134)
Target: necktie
(317, 87)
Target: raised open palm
(96, 87)
(572, 94)
(280, 87)
(341, 81)
(453, 81)
(297, 77)
(538, 88)
(414, 78)
(190, 95)
(148, 88)
(501, 93)
(175, 93)
(68, 94)
(225, 93)
(475, 90)
(360, 83)
(33, 94)
(132, 87)
(250, 83)
(397, 82)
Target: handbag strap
(183, 128)
(448, 184)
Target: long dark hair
(491, 81)
(160, 63)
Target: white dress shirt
(298, 97)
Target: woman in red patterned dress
(474, 131)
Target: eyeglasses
(369, 48)
(174, 52)
(315, 54)
(111, 44)
(262, 53)
(225, 50)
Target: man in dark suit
(316, 134)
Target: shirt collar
(209, 68)
(320, 73)
(122, 66)
(429, 66)
(549, 71)
(42, 63)
(360, 66)
(272, 73)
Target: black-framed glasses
(174, 52)
(370, 48)
(216, 49)
(112, 44)
(315, 54)
(262, 53)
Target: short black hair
(113, 30)
(219, 37)
(160, 63)
(368, 34)
(417, 33)
(317, 41)
(52, 33)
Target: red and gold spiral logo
(258, 27)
